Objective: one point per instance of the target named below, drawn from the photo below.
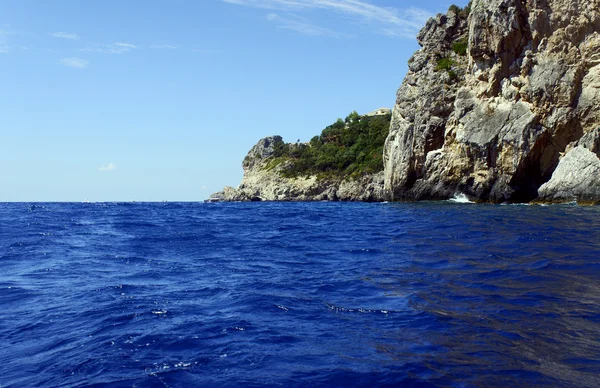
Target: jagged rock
(571, 179)
(591, 141)
(227, 194)
(262, 150)
(528, 87)
(368, 188)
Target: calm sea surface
(299, 294)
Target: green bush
(347, 148)
(466, 11)
(274, 162)
(460, 47)
(462, 13)
(445, 63)
(455, 8)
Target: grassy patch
(460, 47)
(274, 162)
(444, 63)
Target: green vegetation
(462, 13)
(445, 63)
(460, 47)
(467, 10)
(273, 163)
(347, 148)
(454, 8)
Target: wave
(460, 198)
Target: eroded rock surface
(495, 123)
(571, 179)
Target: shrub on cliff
(463, 13)
(460, 47)
(346, 148)
(444, 63)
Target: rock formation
(571, 179)
(494, 123)
(266, 181)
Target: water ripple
(297, 294)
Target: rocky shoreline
(501, 104)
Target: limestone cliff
(493, 120)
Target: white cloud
(77, 63)
(301, 26)
(128, 46)
(65, 35)
(113, 48)
(389, 21)
(163, 46)
(109, 167)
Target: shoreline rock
(494, 122)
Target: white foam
(460, 198)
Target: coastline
(499, 106)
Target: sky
(107, 100)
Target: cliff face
(265, 180)
(511, 115)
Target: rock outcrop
(571, 179)
(493, 121)
(265, 180)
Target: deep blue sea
(299, 294)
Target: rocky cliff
(502, 105)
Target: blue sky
(107, 100)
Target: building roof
(380, 111)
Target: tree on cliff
(351, 147)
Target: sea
(435, 294)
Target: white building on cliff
(379, 112)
